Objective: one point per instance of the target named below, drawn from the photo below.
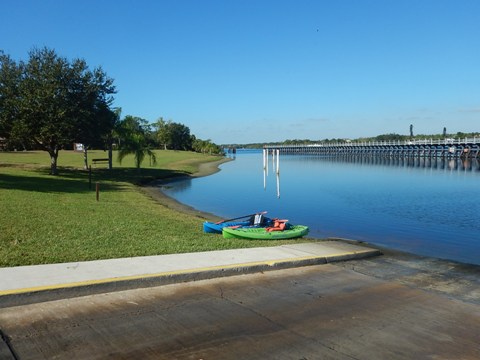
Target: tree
(114, 118)
(173, 135)
(206, 147)
(52, 102)
(133, 139)
(389, 137)
(10, 77)
(162, 133)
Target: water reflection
(425, 206)
(465, 165)
(275, 154)
(441, 164)
(278, 185)
(178, 185)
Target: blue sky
(242, 71)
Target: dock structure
(428, 148)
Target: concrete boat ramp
(394, 306)
(29, 284)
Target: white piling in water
(264, 150)
(264, 170)
(264, 179)
(278, 161)
(267, 160)
(278, 185)
(273, 160)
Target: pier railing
(467, 147)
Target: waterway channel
(424, 206)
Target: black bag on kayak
(258, 220)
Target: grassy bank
(51, 219)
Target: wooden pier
(428, 148)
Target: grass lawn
(51, 219)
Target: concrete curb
(17, 297)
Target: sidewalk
(30, 284)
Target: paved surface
(30, 284)
(442, 277)
(330, 311)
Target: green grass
(51, 219)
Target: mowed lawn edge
(53, 219)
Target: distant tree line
(383, 137)
(443, 135)
(162, 134)
(49, 103)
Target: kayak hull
(294, 231)
(214, 228)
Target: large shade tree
(173, 135)
(52, 102)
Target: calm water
(424, 207)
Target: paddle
(241, 217)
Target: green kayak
(256, 233)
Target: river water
(427, 207)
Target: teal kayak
(257, 220)
(216, 228)
(292, 231)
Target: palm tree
(134, 141)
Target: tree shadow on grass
(72, 180)
(136, 176)
(42, 184)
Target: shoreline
(154, 190)
(453, 279)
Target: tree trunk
(53, 161)
(110, 156)
(85, 157)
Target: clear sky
(243, 71)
